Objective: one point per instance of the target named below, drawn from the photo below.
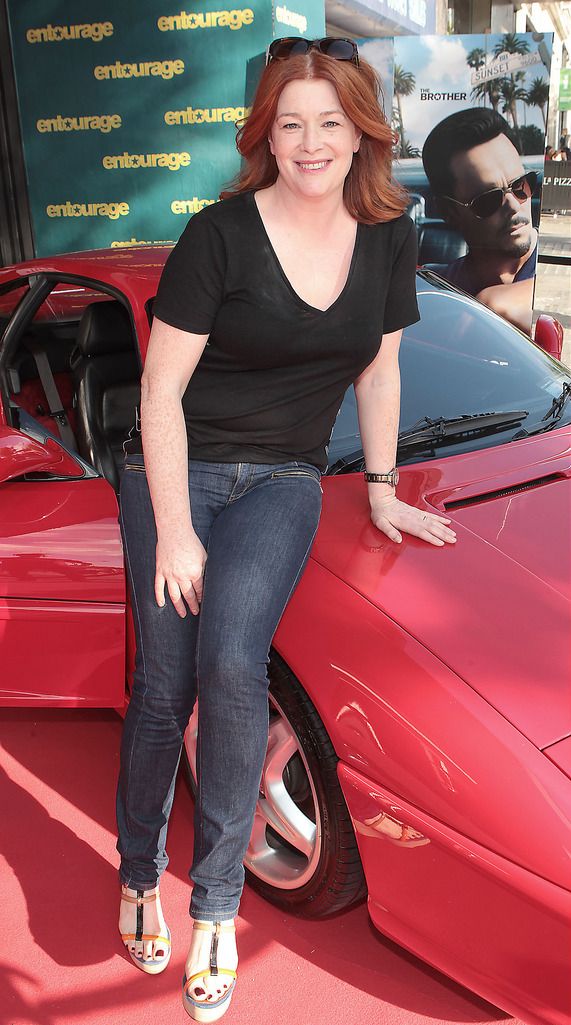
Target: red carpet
(62, 961)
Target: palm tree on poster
(538, 96)
(488, 91)
(409, 151)
(510, 43)
(484, 90)
(476, 58)
(512, 91)
(404, 84)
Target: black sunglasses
(488, 203)
(330, 46)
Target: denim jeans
(257, 523)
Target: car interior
(80, 379)
(438, 245)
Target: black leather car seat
(106, 377)
(439, 244)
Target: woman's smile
(312, 166)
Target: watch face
(397, 475)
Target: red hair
(370, 193)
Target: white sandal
(209, 1010)
(156, 964)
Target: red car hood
(494, 606)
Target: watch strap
(382, 478)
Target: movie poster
(470, 113)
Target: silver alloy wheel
(285, 844)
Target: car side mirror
(549, 335)
(21, 454)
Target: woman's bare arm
(171, 360)
(377, 391)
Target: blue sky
(380, 53)
(439, 64)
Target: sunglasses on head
(488, 203)
(330, 46)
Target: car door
(62, 580)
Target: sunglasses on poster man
(330, 46)
(488, 203)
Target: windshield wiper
(436, 431)
(444, 427)
(553, 415)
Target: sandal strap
(144, 936)
(206, 972)
(222, 926)
(215, 928)
(139, 900)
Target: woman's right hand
(180, 565)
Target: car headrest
(104, 328)
(439, 244)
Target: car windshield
(462, 359)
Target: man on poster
(476, 173)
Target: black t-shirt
(272, 376)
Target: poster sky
(444, 67)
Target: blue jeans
(257, 523)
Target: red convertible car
(420, 732)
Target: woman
(271, 304)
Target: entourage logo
(233, 20)
(285, 17)
(96, 31)
(190, 206)
(205, 115)
(144, 69)
(141, 242)
(111, 210)
(173, 161)
(87, 122)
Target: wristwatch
(392, 477)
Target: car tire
(309, 864)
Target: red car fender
(398, 715)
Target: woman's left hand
(391, 516)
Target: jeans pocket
(298, 469)
(295, 472)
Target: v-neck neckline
(291, 289)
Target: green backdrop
(129, 110)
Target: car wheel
(303, 853)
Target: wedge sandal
(209, 1010)
(152, 966)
